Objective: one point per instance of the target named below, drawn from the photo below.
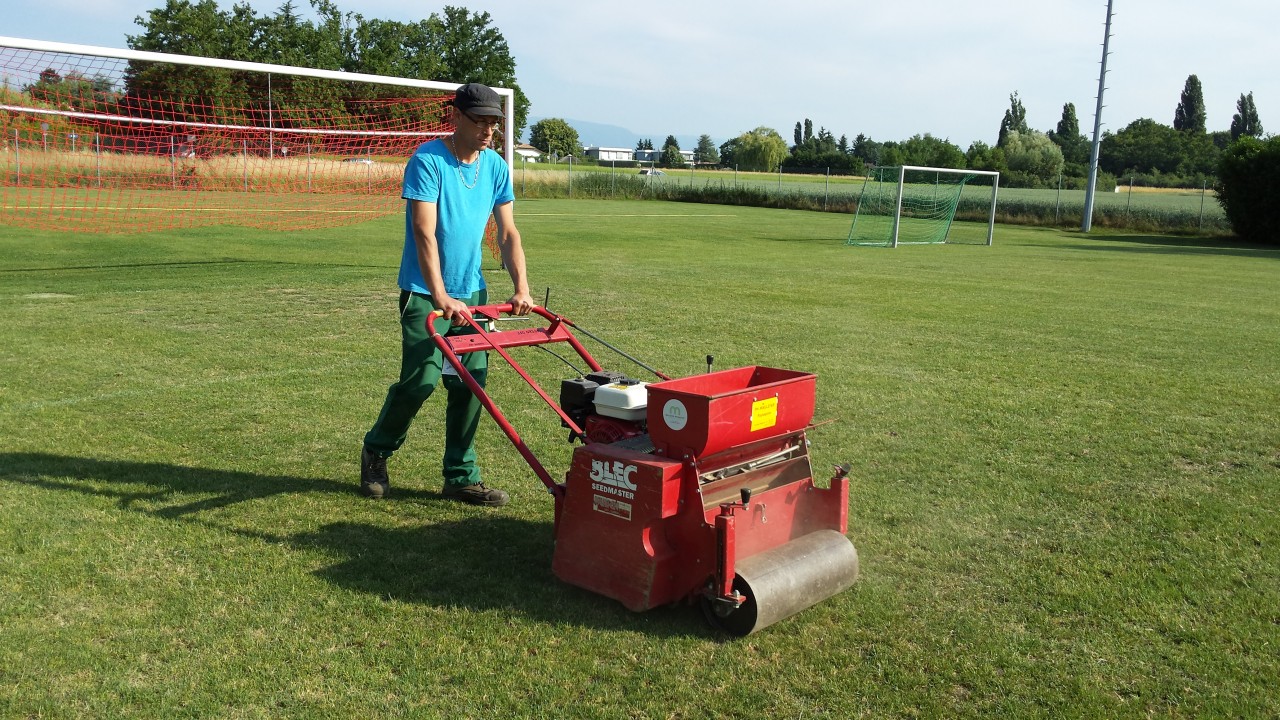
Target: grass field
(1194, 209)
(86, 189)
(1065, 451)
(1168, 213)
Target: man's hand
(521, 304)
(451, 308)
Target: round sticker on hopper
(675, 415)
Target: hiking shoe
(374, 482)
(476, 494)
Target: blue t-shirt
(465, 195)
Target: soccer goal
(912, 205)
(99, 139)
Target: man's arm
(513, 258)
(424, 239)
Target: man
(451, 187)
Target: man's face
(477, 130)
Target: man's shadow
(485, 562)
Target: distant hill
(602, 135)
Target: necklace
(458, 166)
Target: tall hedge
(1249, 188)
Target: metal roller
(784, 580)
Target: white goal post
(923, 196)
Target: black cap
(478, 99)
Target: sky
(889, 69)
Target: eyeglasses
(484, 124)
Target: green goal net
(910, 205)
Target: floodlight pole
(1087, 223)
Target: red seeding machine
(690, 489)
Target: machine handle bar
(556, 331)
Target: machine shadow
(162, 480)
(487, 561)
(484, 563)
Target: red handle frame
(556, 331)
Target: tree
(1221, 139)
(1189, 116)
(1200, 156)
(930, 151)
(381, 47)
(1245, 121)
(981, 156)
(74, 91)
(671, 157)
(729, 152)
(866, 149)
(891, 154)
(458, 46)
(705, 153)
(799, 134)
(644, 144)
(474, 52)
(1033, 158)
(818, 151)
(1249, 188)
(1074, 145)
(1015, 119)
(188, 28)
(1143, 146)
(762, 149)
(555, 136)
(1171, 158)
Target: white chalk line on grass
(17, 407)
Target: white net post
(897, 211)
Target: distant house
(653, 156)
(608, 154)
(528, 152)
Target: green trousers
(421, 365)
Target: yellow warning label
(764, 413)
